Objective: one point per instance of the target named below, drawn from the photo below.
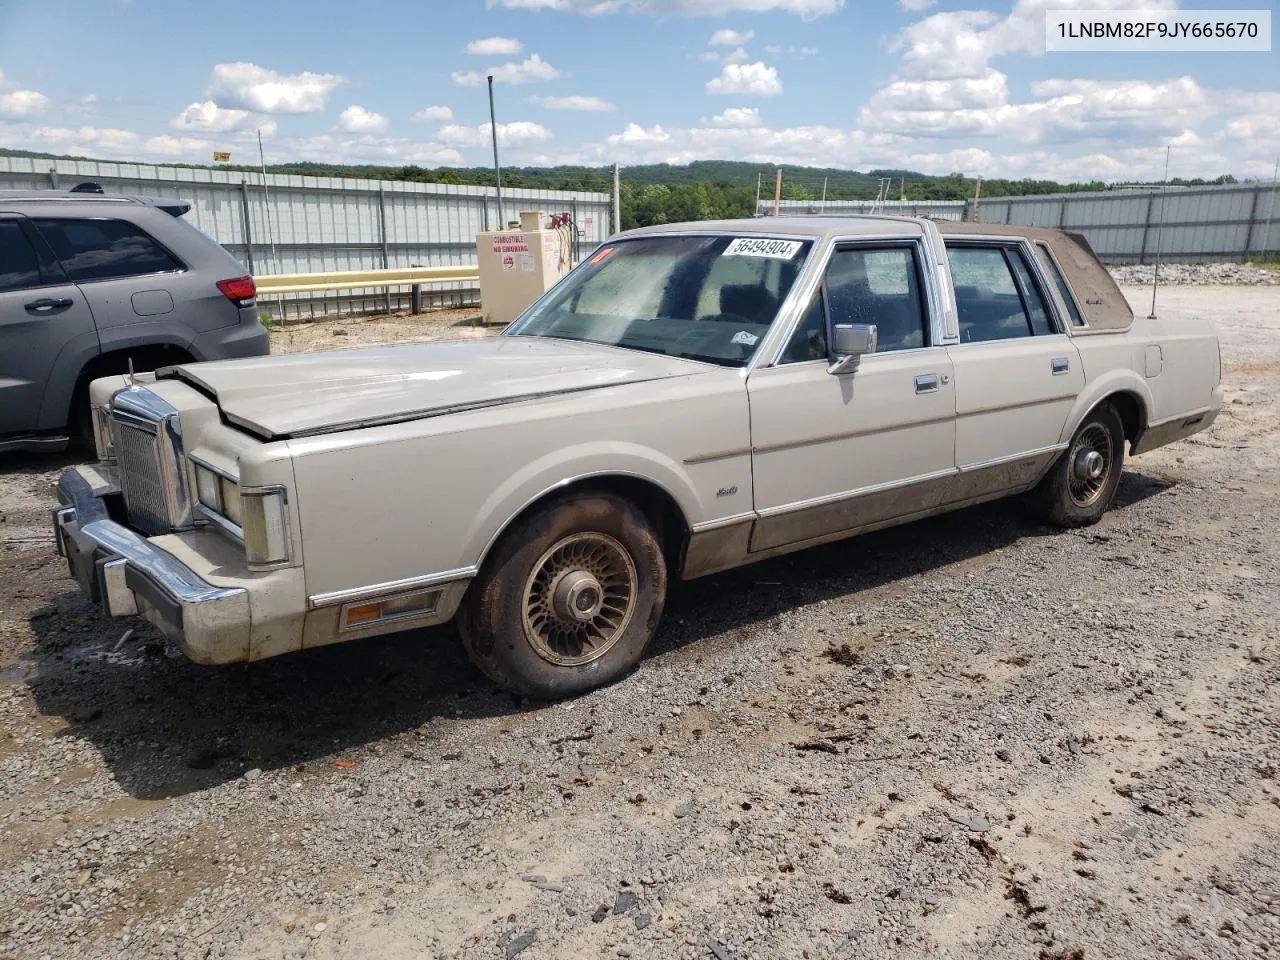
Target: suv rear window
(19, 265)
(92, 249)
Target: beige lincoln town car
(692, 397)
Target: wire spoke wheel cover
(1089, 464)
(579, 599)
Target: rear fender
(1095, 391)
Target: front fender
(1096, 390)
(563, 467)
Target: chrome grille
(141, 477)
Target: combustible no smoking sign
(509, 243)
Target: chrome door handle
(927, 383)
(1059, 365)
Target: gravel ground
(973, 736)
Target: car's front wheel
(568, 598)
(1082, 485)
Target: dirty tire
(80, 420)
(1073, 494)
(527, 621)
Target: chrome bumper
(129, 576)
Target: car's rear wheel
(1082, 484)
(568, 598)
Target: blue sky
(932, 86)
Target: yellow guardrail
(282, 283)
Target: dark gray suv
(91, 284)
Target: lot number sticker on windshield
(763, 247)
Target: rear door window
(93, 249)
(19, 263)
(996, 295)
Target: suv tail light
(239, 290)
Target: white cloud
(80, 141)
(168, 147)
(800, 53)
(509, 134)
(247, 86)
(735, 117)
(428, 114)
(914, 5)
(736, 55)
(959, 43)
(731, 38)
(746, 79)
(587, 104)
(22, 103)
(336, 148)
(1127, 112)
(988, 90)
(356, 119)
(495, 47)
(207, 117)
(807, 9)
(532, 70)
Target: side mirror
(849, 341)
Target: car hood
(311, 393)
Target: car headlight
(103, 439)
(266, 536)
(230, 493)
(209, 488)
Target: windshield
(703, 298)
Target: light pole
(497, 170)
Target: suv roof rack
(175, 208)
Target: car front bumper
(130, 576)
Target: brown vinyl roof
(1100, 300)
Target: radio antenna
(1155, 279)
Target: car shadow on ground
(167, 727)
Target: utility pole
(759, 181)
(777, 195)
(617, 200)
(497, 170)
(977, 199)
(1155, 279)
(823, 208)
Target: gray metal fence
(1182, 225)
(937, 209)
(313, 224)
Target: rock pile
(1197, 274)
